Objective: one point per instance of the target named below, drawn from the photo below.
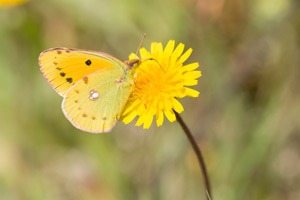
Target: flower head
(159, 80)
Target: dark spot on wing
(55, 63)
(58, 51)
(104, 118)
(62, 74)
(84, 115)
(69, 80)
(77, 91)
(58, 68)
(88, 62)
(93, 118)
(76, 101)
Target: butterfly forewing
(63, 67)
(95, 102)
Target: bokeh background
(246, 120)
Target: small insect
(95, 86)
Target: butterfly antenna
(141, 42)
(152, 59)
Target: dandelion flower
(160, 80)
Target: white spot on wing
(94, 95)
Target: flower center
(152, 83)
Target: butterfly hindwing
(95, 102)
(63, 67)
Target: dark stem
(198, 154)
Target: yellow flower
(11, 2)
(159, 80)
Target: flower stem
(198, 154)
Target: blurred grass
(246, 120)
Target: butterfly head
(132, 63)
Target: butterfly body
(95, 86)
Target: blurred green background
(246, 119)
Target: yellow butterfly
(95, 86)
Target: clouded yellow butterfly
(95, 86)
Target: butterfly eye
(94, 95)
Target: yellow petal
(190, 82)
(190, 67)
(192, 74)
(168, 105)
(159, 118)
(133, 56)
(156, 49)
(140, 120)
(177, 106)
(185, 56)
(130, 106)
(169, 49)
(192, 93)
(176, 54)
(144, 53)
(129, 118)
(148, 121)
(170, 115)
(178, 51)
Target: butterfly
(95, 86)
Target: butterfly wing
(63, 67)
(95, 102)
